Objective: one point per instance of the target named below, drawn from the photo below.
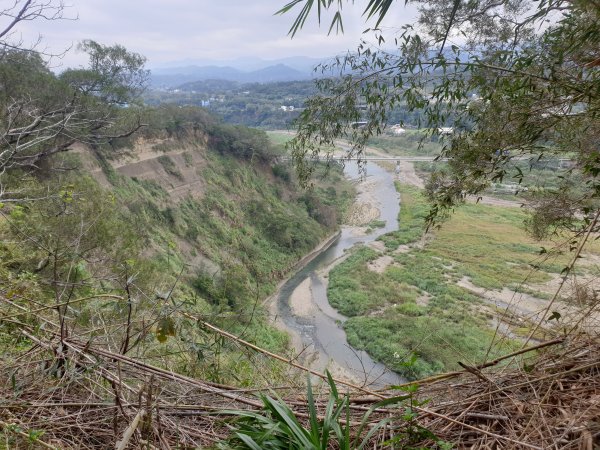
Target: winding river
(322, 333)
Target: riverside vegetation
(420, 309)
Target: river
(322, 333)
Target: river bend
(322, 333)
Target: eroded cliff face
(206, 203)
(176, 165)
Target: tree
(114, 75)
(71, 243)
(515, 79)
(43, 114)
(18, 11)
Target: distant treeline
(264, 105)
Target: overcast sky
(168, 31)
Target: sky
(170, 32)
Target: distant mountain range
(177, 76)
(249, 70)
(248, 63)
(245, 70)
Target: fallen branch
(128, 434)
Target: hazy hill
(248, 63)
(279, 72)
(175, 76)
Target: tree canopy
(513, 79)
(42, 114)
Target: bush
(282, 171)
(169, 166)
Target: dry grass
(86, 397)
(549, 401)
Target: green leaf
(248, 441)
(284, 414)
(164, 329)
(312, 410)
(332, 385)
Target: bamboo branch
(44, 308)
(128, 434)
(478, 430)
(444, 376)
(582, 243)
(279, 357)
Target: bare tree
(28, 11)
(42, 114)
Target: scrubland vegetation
(245, 229)
(118, 247)
(417, 306)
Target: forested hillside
(132, 228)
(250, 104)
(185, 211)
(268, 105)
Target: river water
(323, 333)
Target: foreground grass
(415, 305)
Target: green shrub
(169, 166)
(282, 171)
